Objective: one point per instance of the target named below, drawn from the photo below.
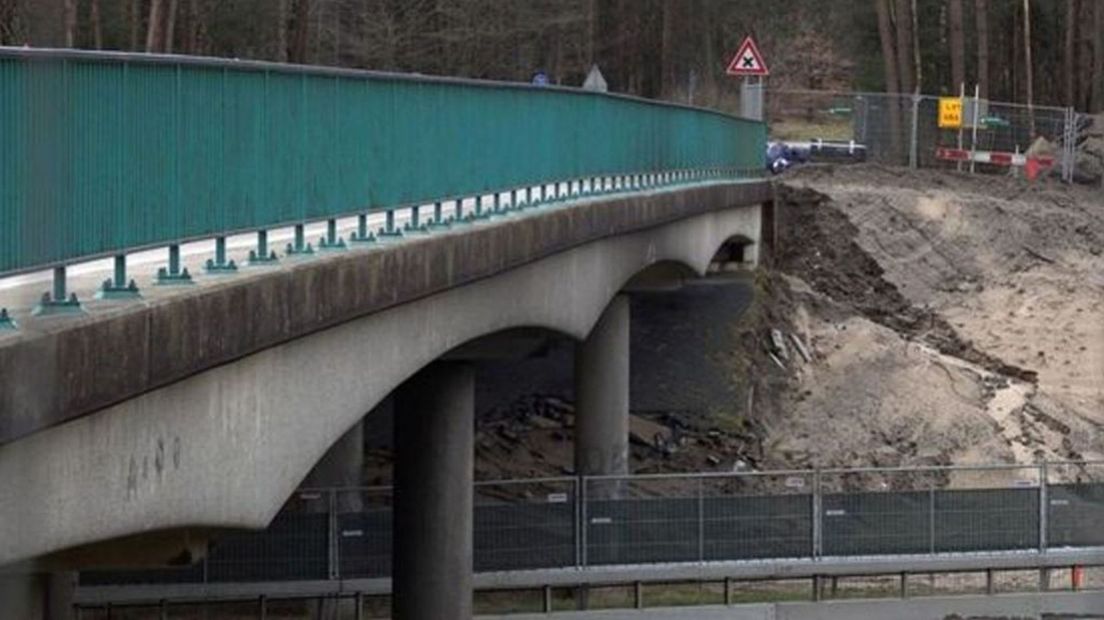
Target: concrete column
(61, 588)
(602, 394)
(342, 466)
(434, 472)
(24, 596)
(38, 596)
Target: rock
(801, 349)
(778, 344)
(648, 433)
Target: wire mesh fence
(908, 130)
(679, 518)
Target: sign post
(748, 63)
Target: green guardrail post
(262, 255)
(59, 302)
(389, 230)
(439, 221)
(219, 264)
(175, 273)
(332, 241)
(361, 234)
(6, 322)
(299, 246)
(118, 287)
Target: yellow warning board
(950, 112)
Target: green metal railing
(104, 153)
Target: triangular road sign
(748, 60)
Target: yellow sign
(950, 112)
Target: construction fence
(679, 518)
(922, 131)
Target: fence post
(583, 519)
(817, 509)
(914, 131)
(1069, 144)
(931, 517)
(331, 526)
(701, 520)
(1043, 505)
(579, 521)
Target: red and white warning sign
(748, 60)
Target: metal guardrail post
(1043, 507)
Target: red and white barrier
(1034, 165)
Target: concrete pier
(602, 394)
(434, 461)
(342, 466)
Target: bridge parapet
(104, 153)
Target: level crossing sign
(748, 61)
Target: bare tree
(1028, 71)
(70, 23)
(154, 31)
(918, 84)
(97, 24)
(957, 44)
(903, 21)
(981, 17)
(281, 34)
(889, 62)
(134, 14)
(300, 35)
(1097, 103)
(170, 27)
(1069, 57)
(889, 56)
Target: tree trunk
(1028, 73)
(889, 56)
(154, 30)
(97, 24)
(1069, 57)
(281, 52)
(981, 16)
(918, 75)
(889, 62)
(170, 28)
(301, 33)
(70, 23)
(903, 22)
(134, 14)
(592, 32)
(667, 78)
(1097, 104)
(958, 44)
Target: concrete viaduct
(133, 436)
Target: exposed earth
(908, 318)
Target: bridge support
(602, 394)
(434, 461)
(37, 596)
(342, 467)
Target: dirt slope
(955, 318)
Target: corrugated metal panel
(103, 153)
